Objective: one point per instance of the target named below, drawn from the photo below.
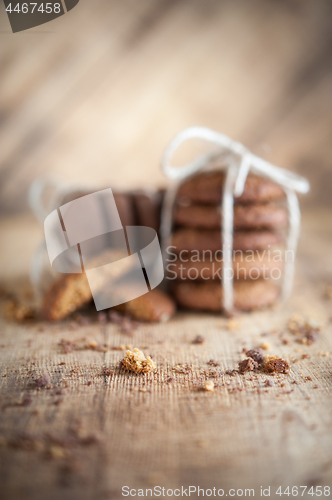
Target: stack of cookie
(195, 257)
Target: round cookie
(244, 268)
(201, 239)
(262, 216)
(248, 295)
(207, 188)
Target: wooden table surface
(90, 434)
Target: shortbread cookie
(248, 295)
(207, 188)
(262, 216)
(201, 239)
(244, 267)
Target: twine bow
(238, 162)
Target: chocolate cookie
(207, 188)
(262, 216)
(201, 239)
(123, 202)
(248, 295)
(245, 267)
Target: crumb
(209, 385)
(57, 452)
(274, 364)
(268, 383)
(265, 346)
(62, 363)
(107, 372)
(256, 355)
(15, 311)
(212, 362)
(198, 340)
(305, 356)
(170, 380)
(247, 365)
(135, 361)
(43, 380)
(89, 382)
(67, 346)
(232, 324)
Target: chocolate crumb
(277, 365)
(248, 365)
(43, 381)
(268, 383)
(108, 372)
(198, 340)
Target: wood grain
(105, 432)
(96, 95)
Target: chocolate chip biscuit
(245, 266)
(255, 216)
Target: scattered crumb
(268, 383)
(212, 362)
(43, 380)
(198, 340)
(265, 346)
(247, 365)
(209, 385)
(256, 355)
(232, 324)
(108, 372)
(16, 311)
(135, 361)
(274, 364)
(305, 331)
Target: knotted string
(238, 161)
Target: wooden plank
(154, 432)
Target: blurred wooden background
(95, 95)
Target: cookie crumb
(107, 372)
(135, 361)
(265, 346)
(198, 340)
(43, 380)
(276, 365)
(209, 386)
(248, 365)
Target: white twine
(238, 161)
